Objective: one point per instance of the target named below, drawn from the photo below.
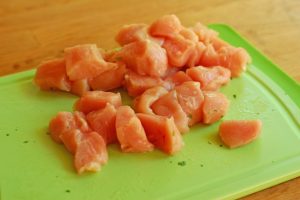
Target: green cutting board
(34, 167)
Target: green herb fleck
(68, 191)
(170, 161)
(182, 163)
(7, 134)
(220, 145)
(234, 96)
(16, 129)
(116, 49)
(118, 58)
(201, 165)
(208, 142)
(25, 142)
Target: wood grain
(35, 30)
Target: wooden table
(32, 31)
